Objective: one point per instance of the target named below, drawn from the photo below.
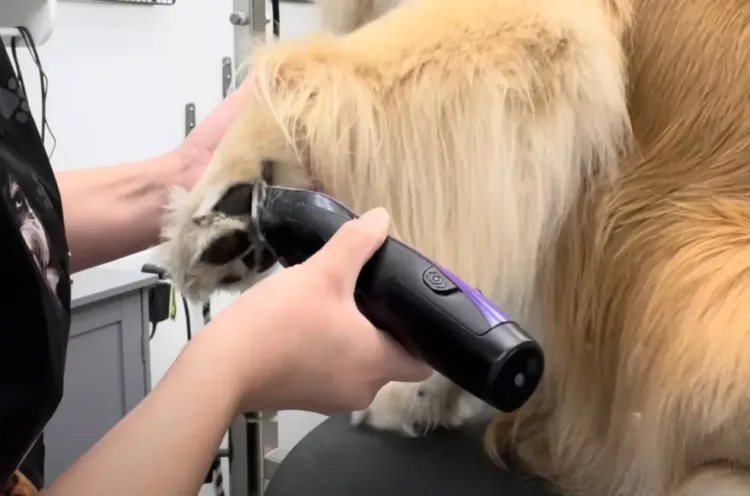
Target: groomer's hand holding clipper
(318, 351)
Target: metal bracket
(272, 461)
(257, 17)
(226, 75)
(238, 19)
(189, 118)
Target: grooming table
(337, 459)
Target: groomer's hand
(196, 151)
(300, 334)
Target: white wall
(119, 78)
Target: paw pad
(235, 201)
(210, 244)
(226, 248)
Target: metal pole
(246, 471)
(249, 20)
(258, 18)
(246, 439)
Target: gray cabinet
(107, 368)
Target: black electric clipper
(429, 310)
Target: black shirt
(34, 282)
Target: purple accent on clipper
(490, 312)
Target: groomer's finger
(353, 245)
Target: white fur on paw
(191, 226)
(415, 409)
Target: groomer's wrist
(256, 357)
(191, 163)
(238, 354)
(175, 170)
(209, 356)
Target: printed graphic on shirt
(33, 232)
(13, 102)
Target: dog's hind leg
(648, 375)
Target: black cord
(276, 18)
(206, 311)
(188, 324)
(187, 319)
(44, 81)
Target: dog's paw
(208, 241)
(415, 409)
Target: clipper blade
(265, 257)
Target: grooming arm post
(249, 20)
(253, 458)
(252, 435)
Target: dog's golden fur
(584, 162)
(19, 485)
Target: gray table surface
(99, 283)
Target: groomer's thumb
(353, 245)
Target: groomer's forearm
(165, 446)
(112, 212)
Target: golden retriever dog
(19, 485)
(585, 163)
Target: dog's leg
(416, 409)
(473, 123)
(648, 372)
(19, 485)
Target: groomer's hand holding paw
(196, 151)
(297, 340)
